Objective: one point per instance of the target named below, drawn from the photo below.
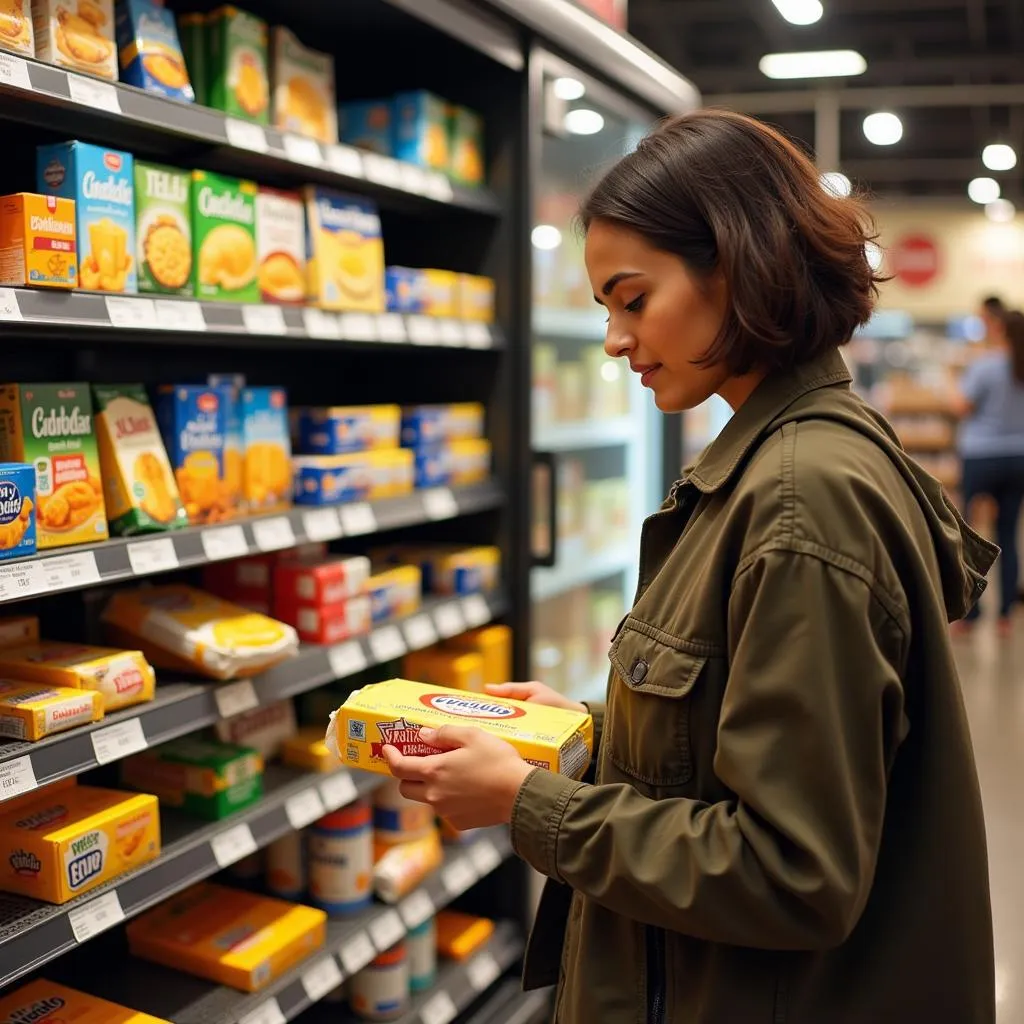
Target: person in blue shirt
(991, 444)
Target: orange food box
(37, 241)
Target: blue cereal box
(429, 424)
(102, 183)
(149, 50)
(405, 289)
(337, 430)
(419, 130)
(366, 124)
(267, 449)
(358, 476)
(17, 510)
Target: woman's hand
(471, 782)
(535, 693)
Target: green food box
(200, 776)
(236, 64)
(192, 36)
(163, 229)
(224, 238)
(466, 146)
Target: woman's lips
(646, 373)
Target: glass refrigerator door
(596, 433)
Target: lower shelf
(509, 1004)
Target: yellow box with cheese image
(229, 936)
(392, 712)
(30, 712)
(461, 670)
(46, 1002)
(69, 842)
(493, 644)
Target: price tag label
(66, 571)
(304, 808)
(439, 187)
(17, 777)
(452, 333)
(387, 644)
(448, 620)
(440, 503)
(234, 698)
(413, 179)
(483, 970)
(273, 534)
(14, 72)
(264, 320)
(9, 308)
(416, 908)
(133, 313)
(484, 855)
(246, 135)
(391, 327)
(419, 632)
(234, 844)
(224, 542)
(321, 979)
(266, 1013)
(386, 930)
(179, 315)
(357, 519)
(458, 876)
(117, 741)
(338, 791)
(477, 335)
(439, 1009)
(303, 150)
(96, 916)
(90, 93)
(475, 609)
(21, 579)
(382, 170)
(149, 556)
(347, 659)
(345, 160)
(319, 324)
(422, 330)
(358, 327)
(321, 524)
(357, 953)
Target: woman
(783, 824)
(991, 443)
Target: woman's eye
(636, 305)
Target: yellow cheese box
(46, 1002)
(69, 842)
(227, 935)
(391, 713)
(307, 750)
(461, 670)
(30, 712)
(494, 644)
(121, 678)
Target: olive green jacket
(786, 825)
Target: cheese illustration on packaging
(391, 714)
(46, 1002)
(267, 449)
(303, 79)
(281, 241)
(236, 64)
(150, 53)
(163, 222)
(30, 712)
(77, 34)
(224, 237)
(16, 27)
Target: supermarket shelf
(123, 318)
(126, 558)
(511, 1005)
(579, 324)
(597, 433)
(33, 933)
(115, 113)
(548, 583)
(181, 708)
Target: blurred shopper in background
(993, 314)
(991, 443)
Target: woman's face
(661, 317)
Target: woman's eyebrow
(608, 287)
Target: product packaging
(76, 34)
(340, 851)
(266, 446)
(332, 479)
(440, 293)
(149, 50)
(303, 81)
(396, 819)
(394, 593)
(38, 246)
(281, 246)
(337, 430)
(46, 1002)
(192, 35)
(30, 712)
(366, 124)
(329, 623)
(264, 729)
(234, 443)
(315, 582)
(475, 298)
(494, 645)
(456, 669)
(460, 935)
(428, 424)
(466, 146)
(380, 991)
(405, 290)
(163, 228)
(285, 868)
(236, 64)
(453, 463)
(420, 130)
(18, 630)
(224, 237)
(102, 184)
(449, 570)
(400, 869)
(16, 32)
(421, 944)
(17, 510)
(243, 580)
(308, 751)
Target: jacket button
(638, 673)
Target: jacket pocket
(647, 727)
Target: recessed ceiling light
(569, 88)
(1002, 211)
(883, 128)
(813, 64)
(546, 236)
(837, 183)
(999, 157)
(800, 12)
(583, 122)
(983, 190)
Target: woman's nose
(618, 345)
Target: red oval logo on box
(112, 161)
(207, 402)
(468, 707)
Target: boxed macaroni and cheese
(30, 712)
(46, 1002)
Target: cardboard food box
(329, 623)
(102, 184)
(37, 241)
(420, 130)
(264, 729)
(227, 935)
(30, 712)
(224, 238)
(76, 34)
(303, 83)
(466, 146)
(16, 32)
(71, 841)
(149, 50)
(50, 426)
(314, 582)
(367, 124)
(308, 751)
(427, 424)
(391, 713)
(405, 289)
(359, 476)
(46, 1002)
(163, 228)
(234, 444)
(475, 298)
(494, 644)
(352, 428)
(236, 64)
(138, 482)
(192, 36)
(281, 245)
(394, 592)
(17, 510)
(17, 630)
(456, 669)
(267, 449)
(440, 293)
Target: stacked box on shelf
(325, 599)
(447, 443)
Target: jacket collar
(770, 399)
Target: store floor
(992, 672)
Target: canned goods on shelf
(340, 860)
(380, 991)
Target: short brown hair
(726, 193)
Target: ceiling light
(874, 255)
(813, 64)
(800, 12)
(1002, 211)
(569, 88)
(546, 236)
(983, 190)
(883, 128)
(583, 122)
(999, 157)
(837, 183)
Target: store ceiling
(907, 44)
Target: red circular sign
(915, 260)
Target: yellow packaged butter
(69, 842)
(30, 712)
(391, 713)
(46, 1002)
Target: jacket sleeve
(811, 718)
